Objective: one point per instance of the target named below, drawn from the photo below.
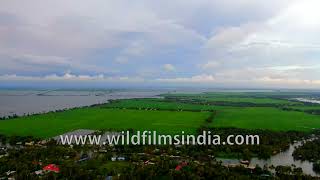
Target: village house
(29, 143)
(39, 172)
(118, 158)
(51, 168)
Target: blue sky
(209, 43)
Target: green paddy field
(52, 124)
(172, 114)
(240, 117)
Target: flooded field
(284, 158)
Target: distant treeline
(284, 107)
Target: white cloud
(210, 65)
(121, 60)
(228, 41)
(80, 30)
(135, 48)
(69, 78)
(41, 60)
(204, 78)
(293, 67)
(265, 81)
(283, 48)
(169, 67)
(227, 36)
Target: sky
(208, 43)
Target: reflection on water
(30, 101)
(284, 158)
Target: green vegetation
(266, 118)
(238, 117)
(303, 108)
(248, 99)
(277, 120)
(255, 98)
(316, 166)
(52, 124)
(308, 151)
(140, 162)
(110, 165)
(157, 104)
(176, 112)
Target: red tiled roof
(52, 167)
(181, 165)
(178, 168)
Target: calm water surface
(30, 101)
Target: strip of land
(175, 113)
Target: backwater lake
(22, 102)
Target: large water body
(23, 102)
(284, 158)
(308, 100)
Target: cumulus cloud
(282, 48)
(246, 42)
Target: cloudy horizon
(204, 43)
